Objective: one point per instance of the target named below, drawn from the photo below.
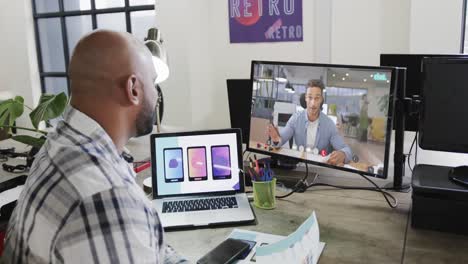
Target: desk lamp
(154, 43)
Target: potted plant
(50, 106)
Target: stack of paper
(10, 195)
(302, 246)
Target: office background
(196, 35)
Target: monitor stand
(404, 185)
(403, 106)
(459, 175)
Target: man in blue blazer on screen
(313, 129)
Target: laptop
(197, 181)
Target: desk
(357, 226)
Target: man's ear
(321, 105)
(132, 90)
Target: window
(59, 24)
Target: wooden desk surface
(358, 226)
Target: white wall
(18, 61)
(201, 57)
(337, 31)
(355, 32)
(435, 26)
(363, 29)
(177, 89)
(200, 30)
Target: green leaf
(10, 110)
(50, 106)
(29, 140)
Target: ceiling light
(281, 79)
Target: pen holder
(264, 194)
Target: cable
(411, 150)
(395, 201)
(376, 188)
(302, 184)
(298, 185)
(384, 193)
(416, 153)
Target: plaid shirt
(81, 204)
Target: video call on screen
(354, 100)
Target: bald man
(81, 203)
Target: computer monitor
(413, 64)
(342, 114)
(240, 100)
(444, 105)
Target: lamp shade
(154, 43)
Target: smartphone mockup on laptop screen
(173, 165)
(196, 178)
(221, 162)
(197, 163)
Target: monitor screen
(413, 86)
(240, 100)
(196, 162)
(331, 115)
(445, 91)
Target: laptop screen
(196, 162)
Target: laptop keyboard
(199, 204)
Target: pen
(251, 163)
(257, 167)
(269, 176)
(252, 174)
(142, 167)
(249, 173)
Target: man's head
(112, 81)
(314, 97)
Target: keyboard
(217, 203)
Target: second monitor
(331, 115)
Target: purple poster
(265, 20)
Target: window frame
(62, 14)
(463, 27)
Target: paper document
(10, 195)
(302, 246)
